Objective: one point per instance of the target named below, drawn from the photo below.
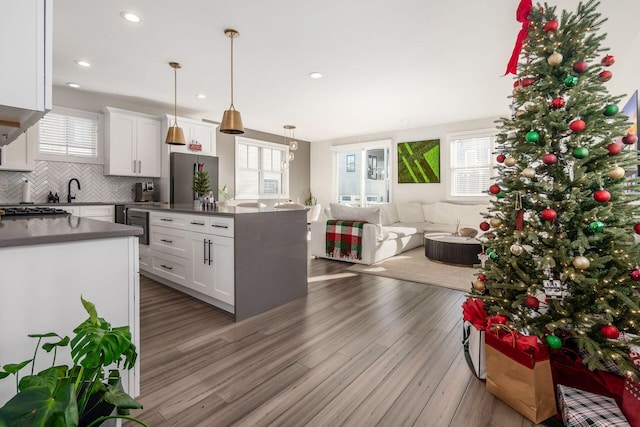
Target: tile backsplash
(54, 177)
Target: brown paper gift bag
(520, 379)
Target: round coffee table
(451, 249)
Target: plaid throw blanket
(344, 239)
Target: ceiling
(387, 65)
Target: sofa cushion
(429, 211)
(400, 229)
(350, 213)
(389, 213)
(410, 212)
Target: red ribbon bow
(525, 343)
(473, 312)
(522, 15)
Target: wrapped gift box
(583, 409)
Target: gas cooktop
(31, 211)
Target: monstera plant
(83, 394)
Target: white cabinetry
(99, 212)
(132, 144)
(200, 136)
(18, 156)
(25, 78)
(193, 251)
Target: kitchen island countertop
(54, 229)
(188, 208)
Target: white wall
(322, 172)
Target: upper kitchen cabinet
(25, 77)
(19, 155)
(133, 144)
(200, 136)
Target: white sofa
(394, 228)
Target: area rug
(413, 266)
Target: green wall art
(419, 162)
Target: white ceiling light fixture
(315, 75)
(73, 85)
(175, 135)
(130, 16)
(83, 63)
(231, 121)
(201, 96)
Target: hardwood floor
(360, 350)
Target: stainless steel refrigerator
(182, 169)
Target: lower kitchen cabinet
(212, 265)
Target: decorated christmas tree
(563, 263)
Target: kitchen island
(243, 260)
(46, 264)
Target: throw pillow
(410, 212)
(389, 213)
(350, 213)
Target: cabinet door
(205, 135)
(121, 149)
(18, 156)
(148, 148)
(202, 266)
(222, 261)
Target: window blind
(69, 135)
(470, 166)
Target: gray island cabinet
(243, 260)
(46, 264)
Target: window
(69, 135)
(470, 161)
(363, 172)
(261, 170)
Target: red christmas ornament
(498, 319)
(531, 302)
(527, 81)
(484, 226)
(614, 148)
(549, 214)
(501, 158)
(605, 76)
(580, 67)
(482, 277)
(635, 274)
(636, 228)
(608, 60)
(494, 189)
(557, 103)
(601, 196)
(577, 125)
(551, 25)
(550, 159)
(630, 139)
(610, 331)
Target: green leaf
(91, 309)
(39, 407)
(47, 335)
(116, 395)
(51, 345)
(48, 378)
(13, 368)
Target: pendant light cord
(232, 106)
(175, 97)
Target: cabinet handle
(166, 266)
(209, 252)
(220, 226)
(166, 241)
(139, 166)
(197, 223)
(204, 250)
(166, 219)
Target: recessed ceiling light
(131, 17)
(82, 63)
(73, 85)
(201, 96)
(405, 121)
(315, 75)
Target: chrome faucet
(69, 196)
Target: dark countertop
(53, 205)
(189, 209)
(54, 229)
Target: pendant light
(175, 136)
(231, 120)
(289, 139)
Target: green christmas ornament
(488, 251)
(580, 152)
(610, 110)
(554, 342)
(532, 136)
(501, 194)
(494, 255)
(570, 81)
(596, 226)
